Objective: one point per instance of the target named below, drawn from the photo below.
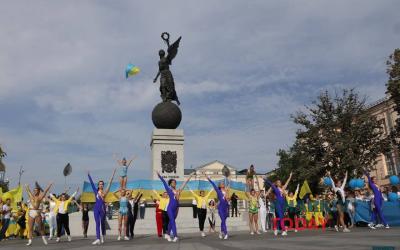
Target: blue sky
(242, 69)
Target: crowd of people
(269, 207)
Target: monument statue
(167, 140)
(167, 115)
(167, 85)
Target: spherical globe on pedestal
(166, 115)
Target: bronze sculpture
(167, 84)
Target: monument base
(167, 153)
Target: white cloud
(241, 70)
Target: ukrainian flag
(148, 187)
(131, 70)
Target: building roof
(216, 161)
(188, 171)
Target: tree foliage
(336, 134)
(393, 89)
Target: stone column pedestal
(167, 153)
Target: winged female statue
(167, 85)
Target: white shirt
(340, 189)
(61, 208)
(6, 209)
(52, 206)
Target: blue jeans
(5, 223)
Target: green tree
(393, 89)
(336, 134)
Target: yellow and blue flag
(131, 70)
(148, 187)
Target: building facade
(387, 164)
(214, 170)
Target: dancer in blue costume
(99, 209)
(173, 205)
(280, 193)
(223, 206)
(377, 202)
(121, 195)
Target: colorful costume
(222, 207)
(172, 209)
(377, 202)
(99, 211)
(279, 205)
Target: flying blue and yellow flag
(151, 188)
(131, 70)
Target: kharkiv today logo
(300, 224)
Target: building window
(390, 164)
(382, 123)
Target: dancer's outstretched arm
(109, 183)
(287, 182)
(47, 190)
(219, 193)
(117, 194)
(185, 183)
(73, 195)
(274, 188)
(344, 181)
(130, 161)
(258, 186)
(166, 187)
(209, 193)
(157, 194)
(194, 194)
(297, 190)
(92, 184)
(28, 190)
(138, 195)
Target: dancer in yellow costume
(202, 201)
(291, 200)
(317, 210)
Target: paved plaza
(359, 238)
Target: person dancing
(377, 202)
(83, 207)
(35, 211)
(338, 189)
(61, 209)
(52, 219)
(122, 213)
(202, 200)
(123, 170)
(253, 198)
(280, 193)
(132, 212)
(173, 204)
(223, 197)
(211, 216)
(100, 208)
(161, 213)
(291, 200)
(251, 172)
